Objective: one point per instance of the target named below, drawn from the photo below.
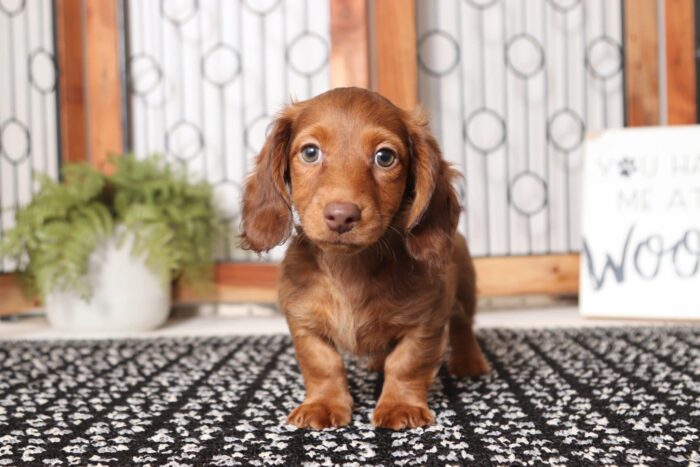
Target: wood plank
(12, 300)
(237, 282)
(641, 62)
(257, 282)
(395, 61)
(680, 61)
(349, 55)
(497, 276)
(528, 275)
(104, 103)
(71, 90)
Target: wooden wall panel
(69, 54)
(254, 282)
(528, 275)
(498, 276)
(395, 62)
(11, 298)
(680, 61)
(349, 43)
(237, 282)
(102, 81)
(641, 62)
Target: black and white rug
(567, 397)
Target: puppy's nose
(341, 217)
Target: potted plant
(101, 250)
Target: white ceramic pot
(126, 295)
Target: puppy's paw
(472, 365)
(319, 415)
(399, 416)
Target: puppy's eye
(311, 153)
(384, 157)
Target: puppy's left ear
(434, 212)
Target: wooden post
(680, 62)
(69, 55)
(87, 46)
(395, 61)
(349, 43)
(102, 81)
(641, 62)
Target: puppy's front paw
(399, 416)
(319, 415)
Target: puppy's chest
(361, 324)
(357, 331)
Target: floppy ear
(267, 211)
(434, 211)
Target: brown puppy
(376, 267)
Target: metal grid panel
(207, 77)
(513, 86)
(28, 104)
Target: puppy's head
(355, 167)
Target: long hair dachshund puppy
(375, 267)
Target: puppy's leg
(375, 363)
(409, 371)
(466, 358)
(328, 402)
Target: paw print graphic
(627, 167)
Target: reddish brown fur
(394, 287)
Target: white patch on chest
(343, 326)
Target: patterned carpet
(574, 397)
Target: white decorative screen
(513, 86)
(29, 136)
(207, 77)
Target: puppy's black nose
(341, 217)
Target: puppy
(376, 268)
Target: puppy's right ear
(267, 207)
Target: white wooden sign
(641, 224)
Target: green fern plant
(173, 221)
